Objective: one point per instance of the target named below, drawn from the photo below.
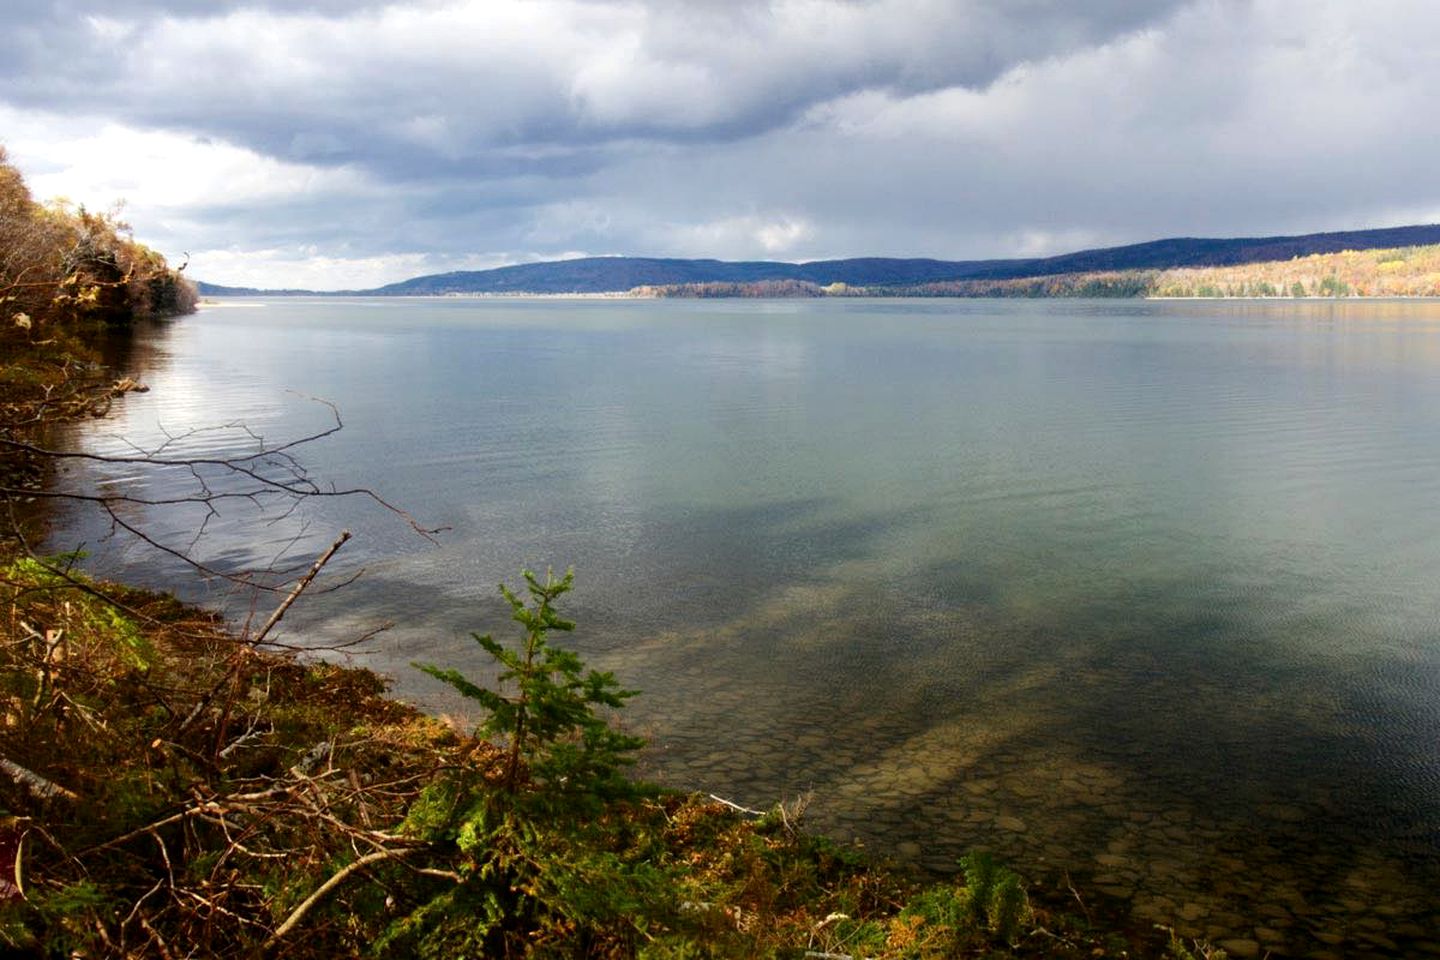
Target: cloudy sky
(345, 143)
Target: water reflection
(1135, 593)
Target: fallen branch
(736, 807)
(39, 787)
(340, 877)
(300, 587)
(242, 741)
(219, 805)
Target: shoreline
(253, 737)
(233, 300)
(1037, 829)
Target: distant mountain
(621, 274)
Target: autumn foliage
(1401, 272)
(1394, 272)
(61, 266)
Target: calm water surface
(1139, 594)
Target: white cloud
(742, 236)
(164, 180)
(780, 236)
(394, 137)
(302, 268)
(1267, 117)
(1040, 242)
(157, 170)
(308, 268)
(507, 70)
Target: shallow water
(1141, 594)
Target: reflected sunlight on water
(1136, 593)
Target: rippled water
(1142, 595)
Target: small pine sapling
(550, 720)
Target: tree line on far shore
(1396, 272)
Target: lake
(1141, 596)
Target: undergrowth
(185, 795)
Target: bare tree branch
(305, 581)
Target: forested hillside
(1399, 272)
(897, 277)
(1394, 272)
(618, 275)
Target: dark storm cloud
(342, 82)
(448, 132)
